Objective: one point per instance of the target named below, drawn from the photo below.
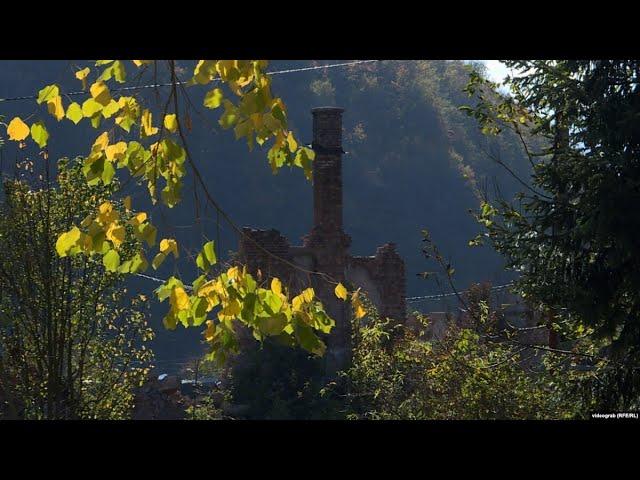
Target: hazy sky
(496, 70)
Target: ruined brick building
(325, 249)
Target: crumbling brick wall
(255, 249)
(386, 272)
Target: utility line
(169, 84)
(443, 295)
(408, 299)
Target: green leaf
(207, 257)
(249, 303)
(277, 112)
(272, 302)
(273, 325)
(199, 311)
(309, 340)
(95, 121)
(119, 71)
(139, 263)
(243, 129)
(108, 172)
(125, 267)
(74, 113)
(230, 116)
(272, 124)
(48, 93)
(148, 234)
(157, 260)
(90, 107)
(304, 158)
(67, 240)
(110, 109)
(213, 98)
(39, 134)
(323, 322)
(170, 321)
(111, 261)
(198, 282)
(164, 291)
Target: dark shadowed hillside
(413, 161)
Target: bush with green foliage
(398, 373)
(72, 341)
(274, 381)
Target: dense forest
(414, 161)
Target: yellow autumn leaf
(308, 295)
(207, 288)
(127, 202)
(276, 286)
(116, 151)
(139, 219)
(101, 142)
(105, 207)
(293, 145)
(82, 76)
(209, 333)
(147, 126)
(170, 122)
(55, 108)
(179, 299)
(358, 308)
(297, 302)
(17, 129)
(168, 245)
(360, 311)
(100, 93)
(115, 233)
(213, 98)
(233, 273)
(231, 309)
(107, 215)
(340, 291)
(211, 292)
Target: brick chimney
(327, 239)
(327, 180)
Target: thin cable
(443, 295)
(169, 84)
(408, 299)
(159, 280)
